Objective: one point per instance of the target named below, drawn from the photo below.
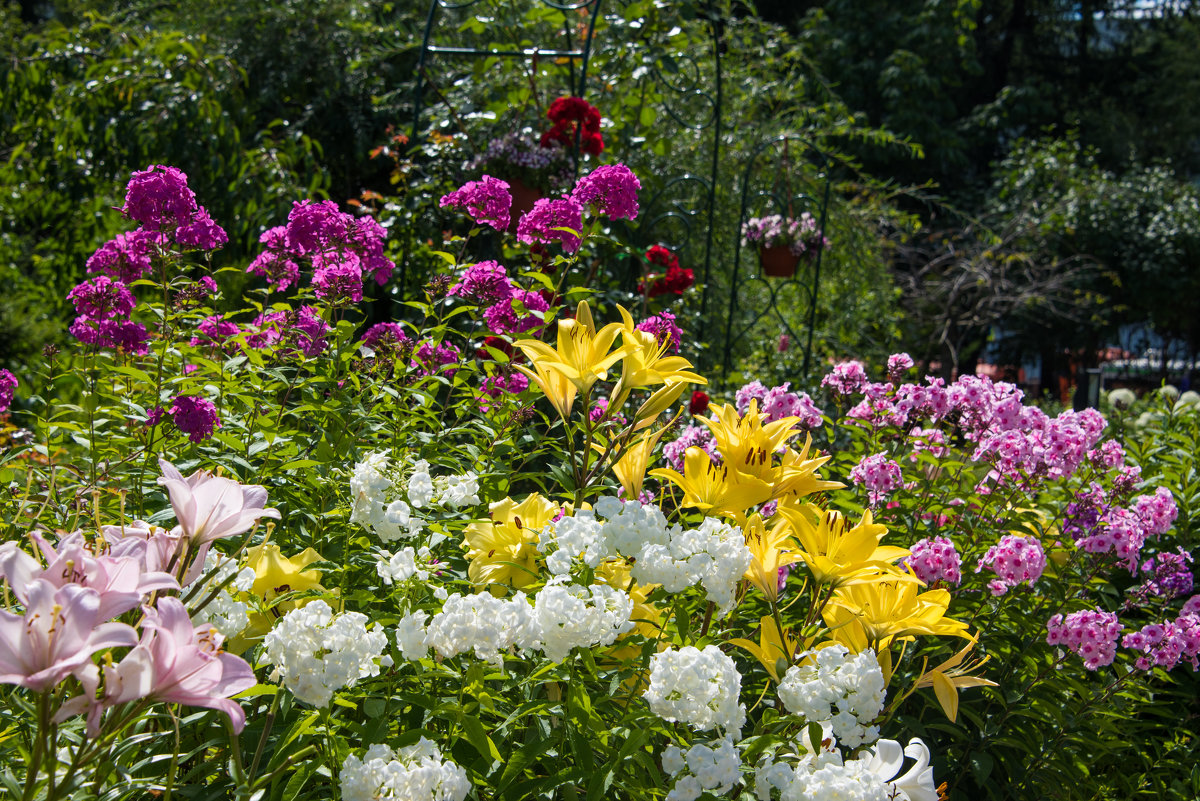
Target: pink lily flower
(209, 507)
(155, 546)
(120, 580)
(175, 661)
(58, 633)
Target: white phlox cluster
(481, 623)
(714, 555)
(829, 678)
(874, 775)
(415, 773)
(569, 615)
(702, 768)
(386, 505)
(224, 612)
(399, 567)
(317, 653)
(700, 688)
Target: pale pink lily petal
(57, 634)
(209, 507)
(18, 568)
(156, 547)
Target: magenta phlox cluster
(846, 378)
(195, 416)
(385, 337)
(127, 257)
(201, 233)
(610, 190)
(8, 388)
(309, 331)
(1091, 634)
(337, 276)
(487, 201)
(159, 198)
(215, 330)
(1157, 511)
(495, 386)
(123, 335)
(691, 437)
(879, 475)
(1165, 645)
(483, 284)
(664, 329)
(1014, 559)
(436, 357)
(1124, 531)
(897, 365)
(512, 315)
(540, 222)
(274, 263)
(935, 560)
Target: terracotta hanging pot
(523, 198)
(778, 261)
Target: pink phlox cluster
(289, 332)
(487, 201)
(1191, 606)
(598, 410)
(309, 332)
(8, 387)
(1165, 645)
(1157, 511)
(1014, 559)
(846, 378)
(195, 416)
(779, 402)
(1110, 454)
(799, 235)
(538, 224)
(385, 337)
(691, 437)
(1121, 532)
(664, 329)
(102, 298)
(1127, 481)
(928, 440)
(126, 257)
(337, 276)
(215, 330)
(123, 335)
(1090, 634)
(610, 190)
(266, 330)
(159, 198)
(208, 283)
(513, 314)
(897, 365)
(879, 475)
(274, 263)
(877, 408)
(483, 284)
(935, 559)
(754, 391)
(315, 226)
(433, 357)
(511, 383)
(1083, 514)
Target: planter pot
(523, 198)
(778, 261)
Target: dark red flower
(569, 115)
(699, 404)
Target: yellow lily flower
(772, 646)
(554, 385)
(646, 364)
(948, 677)
(890, 609)
(836, 554)
(503, 550)
(275, 575)
(770, 549)
(582, 356)
(630, 469)
(715, 489)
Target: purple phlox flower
(1168, 576)
(119, 579)
(61, 628)
(102, 298)
(487, 201)
(8, 388)
(155, 416)
(691, 437)
(215, 330)
(610, 190)
(431, 356)
(126, 257)
(337, 276)
(1120, 531)
(538, 224)
(664, 329)
(309, 332)
(195, 416)
(367, 237)
(315, 226)
(1090, 634)
(1166, 644)
(159, 198)
(209, 283)
(266, 329)
(280, 271)
(201, 233)
(1014, 559)
(1110, 454)
(496, 385)
(506, 316)
(484, 284)
(779, 403)
(210, 507)
(124, 335)
(389, 337)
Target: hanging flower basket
(523, 198)
(778, 261)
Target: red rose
(699, 404)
